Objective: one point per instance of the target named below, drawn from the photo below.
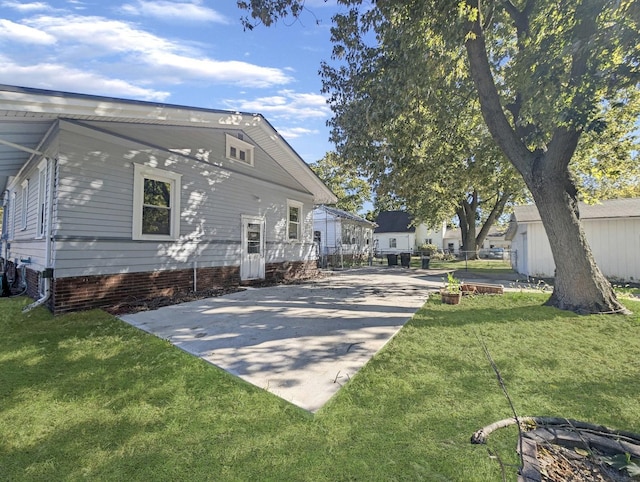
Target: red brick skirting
(103, 291)
(290, 270)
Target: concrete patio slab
(299, 342)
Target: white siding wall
(405, 242)
(331, 229)
(518, 263)
(457, 244)
(615, 244)
(25, 243)
(93, 228)
(423, 232)
(539, 257)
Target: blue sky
(193, 53)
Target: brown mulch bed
(137, 305)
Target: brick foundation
(290, 270)
(88, 292)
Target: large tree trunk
(469, 249)
(579, 284)
(467, 213)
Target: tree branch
(490, 104)
(496, 211)
(461, 212)
(520, 19)
(565, 138)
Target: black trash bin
(405, 259)
(392, 259)
(425, 262)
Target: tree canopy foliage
(352, 191)
(554, 81)
(414, 128)
(607, 163)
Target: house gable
(36, 110)
(203, 145)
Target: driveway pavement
(299, 342)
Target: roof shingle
(394, 222)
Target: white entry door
(253, 258)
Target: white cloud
(147, 54)
(108, 35)
(24, 34)
(49, 76)
(227, 72)
(27, 7)
(295, 132)
(175, 11)
(286, 105)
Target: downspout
(5, 247)
(46, 279)
(195, 276)
(4, 250)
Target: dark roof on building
(394, 222)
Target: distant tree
(352, 191)
(544, 72)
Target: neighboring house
(495, 239)
(495, 244)
(452, 241)
(427, 235)
(612, 229)
(394, 233)
(108, 199)
(339, 232)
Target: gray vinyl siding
(25, 243)
(203, 143)
(93, 229)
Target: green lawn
(85, 396)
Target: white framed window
(392, 243)
(156, 204)
(294, 220)
(24, 204)
(42, 198)
(239, 150)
